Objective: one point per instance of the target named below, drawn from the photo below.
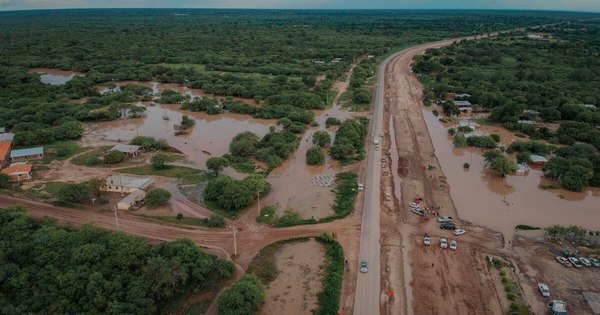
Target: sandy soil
(295, 289)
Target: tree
(96, 185)
(216, 164)
(315, 156)
(72, 192)
(321, 138)
(361, 96)
(113, 157)
(160, 160)
(576, 178)
(4, 180)
(157, 197)
(503, 165)
(187, 122)
(490, 156)
(460, 141)
(332, 121)
(450, 109)
(523, 157)
(244, 144)
(243, 297)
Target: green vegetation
(4, 180)
(186, 175)
(157, 197)
(349, 143)
(267, 215)
(113, 157)
(234, 195)
(518, 79)
(150, 143)
(102, 272)
(72, 192)
(216, 164)
(272, 149)
(243, 298)
(215, 221)
(321, 138)
(187, 122)
(358, 96)
(526, 227)
(332, 121)
(159, 160)
(315, 156)
(240, 164)
(61, 150)
(499, 163)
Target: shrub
(243, 297)
(113, 157)
(157, 197)
(215, 221)
(72, 192)
(466, 165)
(332, 121)
(315, 156)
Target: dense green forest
(517, 78)
(260, 54)
(48, 269)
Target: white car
(544, 289)
(426, 240)
(575, 262)
(413, 205)
(453, 245)
(458, 232)
(563, 261)
(595, 262)
(444, 219)
(585, 261)
(388, 196)
(361, 187)
(443, 243)
(363, 266)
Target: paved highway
(367, 296)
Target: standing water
(54, 76)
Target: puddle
(55, 76)
(295, 289)
(502, 204)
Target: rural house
(127, 149)
(4, 150)
(527, 122)
(27, 154)
(467, 123)
(127, 184)
(463, 104)
(134, 199)
(2, 129)
(537, 160)
(18, 172)
(7, 136)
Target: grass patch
(91, 158)
(267, 215)
(61, 150)
(186, 175)
(181, 220)
(240, 164)
(213, 206)
(526, 227)
(549, 186)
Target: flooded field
(502, 204)
(295, 289)
(55, 76)
(210, 136)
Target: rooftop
(26, 152)
(526, 122)
(4, 148)
(7, 136)
(2, 129)
(128, 181)
(126, 148)
(133, 197)
(18, 168)
(538, 158)
(463, 103)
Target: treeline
(46, 268)
(272, 149)
(234, 195)
(349, 142)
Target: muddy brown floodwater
(55, 76)
(210, 136)
(295, 289)
(502, 204)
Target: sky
(563, 5)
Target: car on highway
(388, 196)
(594, 262)
(444, 219)
(453, 245)
(563, 261)
(361, 187)
(363, 266)
(447, 226)
(575, 262)
(443, 243)
(585, 261)
(426, 240)
(544, 289)
(458, 232)
(382, 159)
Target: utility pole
(258, 202)
(116, 217)
(234, 241)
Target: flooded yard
(295, 289)
(55, 76)
(502, 204)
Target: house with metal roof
(132, 200)
(28, 154)
(6, 136)
(461, 104)
(537, 160)
(127, 184)
(526, 122)
(2, 129)
(127, 149)
(18, 172)
(5, 147)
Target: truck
(558, 307)
(376, 140)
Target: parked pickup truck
(575, 262)
(444, 219)
(558, 307)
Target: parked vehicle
(361, 187)
(453, 245)
(575, 262)
(388, 196)
(363, 266)
(557, 307)
(544, 289)
(458, 232)
(413, 205)
(443, 243)
(426, 240)
(444, 219)
(418, 211)
(594, 262)
(585, 261)
(447, 226)
(563, 261)
(382, 159)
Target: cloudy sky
(568, 5)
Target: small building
(127, 149)
(450, 96)
(475, 134)
(5, 147)
(531, 112)
(27, 154)
(463, 95)
(527, 122)
(537, 160)
(535, 36)
(6, 136)
(133, 200)
(18, 172)
(463, 104)
(370, 56)
(127, 184)
(336, 60)
(589, 106)
(467, 123)
(319, 62)
(2, 129)
(522, 169)
(598, 127)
